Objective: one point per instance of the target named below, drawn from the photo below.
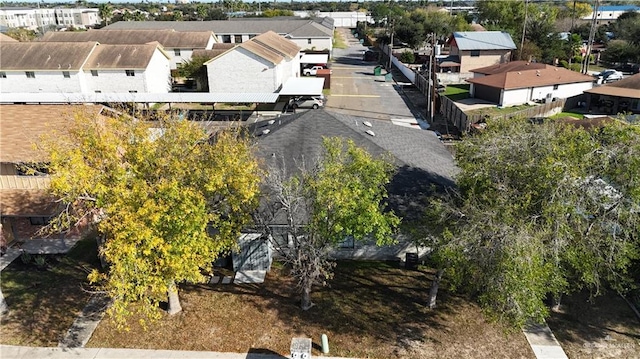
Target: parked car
(312, 71)
(313, 102)
(609, 75)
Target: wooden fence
(463, 122)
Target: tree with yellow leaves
(166, 198)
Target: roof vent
(519, 73)
(366, 123)
(266, 132)
(370, 133)
(271, 122)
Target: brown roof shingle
(629, 87)
(271, 47)
(5, 38)
(23, 125)
(167, 38)
(509, 67)
(19, 202)
(44, 55)
(121, 57)
(531, 78)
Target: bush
(407, 57)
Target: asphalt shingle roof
(167, 38)
(547, 76)
(60, 56)
(484, 40)
(629, 87)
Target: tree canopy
(541, 210)
(338, 198)
(168, 200)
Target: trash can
(377, 71)
(388, 77)
(411, 261)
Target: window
(309, 41)
(38, 221)
(555, 87)
(237, 39)
(30, 74)
(66, 74)
(3, 75)
(130, 72)
(133, 91)
(176, 52)
(475, 53)
(94, 72)
(98, 91)
(252, 36)
(226, 39)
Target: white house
(82, 67)
(517, 84)
(260, 65)
(41, 18)
(178, 45)
(348, 19)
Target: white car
(313, 102)
(312, 71)
(610, 75)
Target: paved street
(356, 91)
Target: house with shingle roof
(618, 97)
(308, 34)
(25, 204)
(473, 49)
(424, 166)
(83, 67)
(261, 65)
(519, 82)
(179, 45)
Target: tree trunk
(433, 292)
(174, 301)
(306, 297)
(100, 239)
(556, 302)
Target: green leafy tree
(105, 11)
(165, 200)
(194, 69)
(621, 51)
(338, 198)
(21, 34)
(541, 210)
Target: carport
(314, 59)
(300, 86)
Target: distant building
(607, 14)
(471, 49)
(43, 18)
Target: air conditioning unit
(301, 348)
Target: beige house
(473, 49)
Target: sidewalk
(16, 352)
(543, 343)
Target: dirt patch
(371, 310)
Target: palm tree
(105, 11)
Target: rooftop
(483, 40)
(629, 87)
(44, 55)
(547, 76)
(167, 38)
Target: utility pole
(524, 27)
(434, 79)
(391, 45)
(592, 33)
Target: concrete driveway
(356, 91)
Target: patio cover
(314, 59)
(298, 86)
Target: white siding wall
(212, 40)
(185, 55)
(241, 71)
(158, 74)
(45, 81)
(514, 97)
(316, 43)
(520, 96)
(115, 81)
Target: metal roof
(484, 40)
(303, 86)
(314, 59)
(140, 97)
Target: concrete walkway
(86, 323)
(543, 343)
(16, 352)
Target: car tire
(315, 106)
(307, 74)
(294, 106)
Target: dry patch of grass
(604, 328)
(44, 302)
(371, 309)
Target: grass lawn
(338, 40)
(497, 111)
(370, 310)
(44, 303)
(568, 114)
(457, 92)
(603, 328)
